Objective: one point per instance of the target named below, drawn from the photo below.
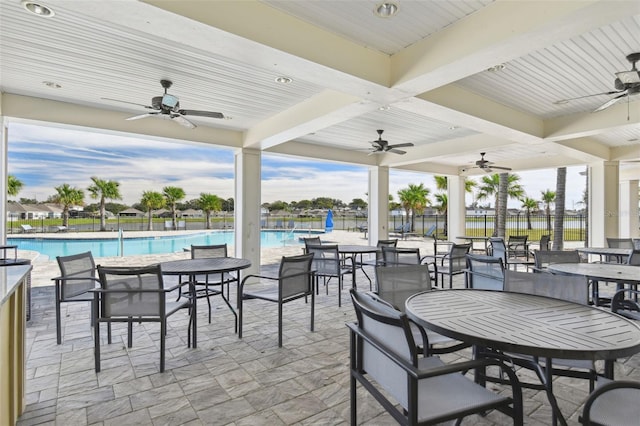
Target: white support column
(247, 207)
(456, 208)
(603, 202)
(629, 223)
(3, 176)
(378, 204)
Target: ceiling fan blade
(564, 101)
(500, 168)
(487, 169)
(400, 145)
(149, 114)
(130, 103)
(197, 113)
(397, 151)
(611, 102)
(377, 151)
(182, 121)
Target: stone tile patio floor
(225, 380)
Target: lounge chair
(27, 228)
(60, 228)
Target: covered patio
(518, 81)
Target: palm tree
(558, 222)
(67, 197)
(548, 197)
(104, 189)
(529, 204)
(152, 200)
(14, 185)
(172, 195)
(413, 199)
(209, 203)
(490, 186)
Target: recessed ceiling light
(38, 8)
(453, 127)
(384, 108)
(52, 84)
(386, 9)
(284, 80)
(496, 68)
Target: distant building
(131, 212)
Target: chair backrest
(312, 241)
(634, 258)
(131, 292)
(77, 266)
(518, 239)
(573, 288)
(326, 259)
(390, 328)
(400, 256)
(396, 284)
(498, 248)
(545, 242)
(457, 257)
(295, 275)
(620, 243)
(209, 251)
(543, 258)
(485, 272)
(431, 231)
(384, 243)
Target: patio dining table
(619, 253)
(194, 267)
(610, 272)
(528, 324)
(357, 251)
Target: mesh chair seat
(484, 272)
(570, 288)
(77, 278)
(428, 391)
(294, 281)
(395, 285)
(453, 263)
(328, 264)
(134, 294)
(613, 403)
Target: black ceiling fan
(486, 165)
(381, 146)
(627, 83)
(167, 107)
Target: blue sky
(45, 157)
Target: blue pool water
(148, 245)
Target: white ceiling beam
(499, 32)
(589, 124)
(322, 110)
(320, 152)
(38, 109)
(625, 152)
(591, 149)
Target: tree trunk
(208, 216)
(528, 213)
(501, 208)
(150, 222)
(558, 222)
(103, 213)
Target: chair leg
(96, 336)
(280, 324)
(313, 304)
(339, 291)
(240, 317)
(129, 333)
(163, 332)
(58, 321)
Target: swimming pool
(146, 245)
